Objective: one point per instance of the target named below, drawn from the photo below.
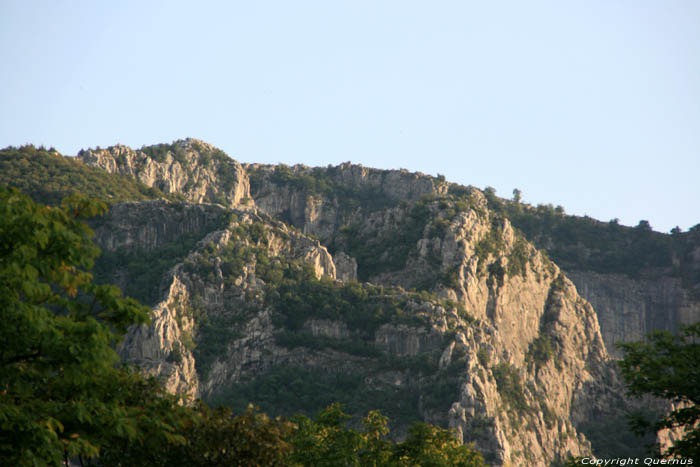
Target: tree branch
(20, 358)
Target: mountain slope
(458, 319)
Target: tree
(213, 437)
(668, 366)
(643, 226)
(61, 392)
(327, 442)
(517, 196)
(430, 446)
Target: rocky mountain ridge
(629, 306)
(462, 323)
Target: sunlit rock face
(198, 171)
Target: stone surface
(628, 309)
(187, 168)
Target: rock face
(628, 309)
(456, 319)
(346, 267)
(343, 193)
(164, 349)
(193, 168)
(149, 225)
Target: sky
(593, 105)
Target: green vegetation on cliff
(293, 290)
(289, 390)
(583, 243)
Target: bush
(510, 388)
(540, 351)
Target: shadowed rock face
(149, 225)
(495, 342)
(628, 309)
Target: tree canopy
(668, 366)
(61, 391)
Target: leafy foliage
(48, 177)
(216, 437)
(667, 366)
(540, 351)
(326, 442)
(210, 437)
(300, 297)
(292, 390)
(61, 392)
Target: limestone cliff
(320, 201)
(198, 171)
(629, 308)
(149, 225)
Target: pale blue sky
(594, 105)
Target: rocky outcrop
(523, 344)
(321, 200)
(627, 308)
(196, 170)
(164, 348)
(535, 350)
(346, 267)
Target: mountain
(293, 287)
